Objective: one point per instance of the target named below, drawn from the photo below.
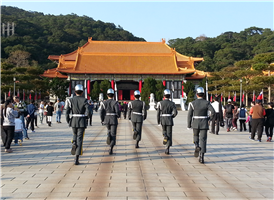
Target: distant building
(126, 64)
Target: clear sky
(154, 20)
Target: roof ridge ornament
(163, 40)
(90, 39)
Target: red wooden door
(132, 95)
(120, 94)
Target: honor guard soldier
(166, 111)
(198, 120)
(78, 106)
(137, 114)
(109, 117)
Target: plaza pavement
(235, 168)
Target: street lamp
(241, 92)
(14, 79)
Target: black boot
(137, 144)
(110, 152)
(76, 162)
(201, 158)
(167, 150)
(73, 148)
(197, 151)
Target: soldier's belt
(166, 115)
(136, 113)
(110, 113)
(200, 117)
(78, 115)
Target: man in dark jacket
(30, 117)
(269, 121)
(166, 111)
(198, 120)
(109, 114)
(78, 106)
(137, 113)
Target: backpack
(242, 113)
(229, 109)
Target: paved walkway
(235, 168)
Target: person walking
(242, 117)
(23, 113)
(41, 111)
(49, 113)
(137, 113)
(90, 107)
(109, 114)
(18, 135)
(198, 120)
(228, 114)
(125, 107)
(269, 122)
(217, 120)
(78, 107)
(258, 113)
(58, 110)
(9, 115)
(30, 117)
(235, 117)
(249, 119)
(166, 111)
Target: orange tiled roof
(52, 73)
(125, 57)
(198, 75)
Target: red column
(182, 88)
(140, 85)
(112, 84)
(88, 89)
(164, 83)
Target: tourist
(58, 110)
(249, 119)
(125, 106)
(109, 114)
(30, 117)
(90, 107)
(18, 135)
(9, 115)
(23, 113)
(50, 110)
(228, 114)
(258, 113)
(198, 120)
(166, 111)
(218, 117)
(78, 106)
(242, 117)
(235, 117)
(137, 113)
(41, 111)
(269, 122)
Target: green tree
(189, 90)
(159, 90)
(104, 86)
(95, 91)
(148, 88)
(58, 87)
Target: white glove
(189, 129)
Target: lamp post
(241, 92)
(14, 79)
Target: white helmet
(110, 91)
(200, 90)
(79, 87)
(166, 92)
(137, 92)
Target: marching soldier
(78, 106)
(109, 116)
(198, 120)
(166, 111)
(137, 114)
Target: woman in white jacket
(9, 114)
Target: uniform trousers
(138, 127)
(112, 130)
(257, 124)
(200, 138)
(215, 121)
(78, 137)
(167, 131)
